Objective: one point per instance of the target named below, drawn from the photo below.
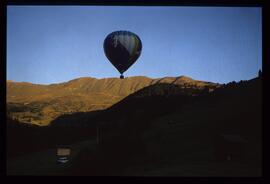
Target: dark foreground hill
(164, 129)
(211, 134)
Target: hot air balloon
(122, 48)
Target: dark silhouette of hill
(163, 124)
(23, 138)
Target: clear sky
(52, 44)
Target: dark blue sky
(52, 44)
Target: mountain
(40, 104)
(160, 130)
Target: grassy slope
(40, 104)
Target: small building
(230, 147)
(63, 154)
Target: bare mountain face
(40, 104)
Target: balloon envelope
(122, 48)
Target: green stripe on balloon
(136, 44)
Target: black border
(227, 3)
(3, 88)
(245, 3)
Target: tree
(260, 74)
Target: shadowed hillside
(157, 131)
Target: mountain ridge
(182, 77)
(40, 104)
